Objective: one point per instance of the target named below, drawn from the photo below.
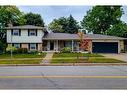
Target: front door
(51, 45)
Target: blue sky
(49, 13)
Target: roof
(25, 27)
(67, 36)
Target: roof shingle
(25, 27)
(67, 36)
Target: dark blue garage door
(105, 47)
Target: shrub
(33, 52)
(66, 50)
(22, 50)
(9, 48)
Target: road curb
(69, 64)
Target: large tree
(72, 25)
(65, 25)
(119, 30)
(8, 15)
(101, 18)
(34, 19)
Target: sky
(49, 13)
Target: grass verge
(8, 56)
(90, 60)
(57, 55)
(37, 61)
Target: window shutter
(19, 32)
(36, 32)
(36, 46)
(28, 32)
(11, 31)
(20, 45)
(29, 46)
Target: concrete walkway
(122, 56)
(47, 58)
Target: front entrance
(51, 45)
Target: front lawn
(30, 61)
(90, 60)
(8, 56)
(82, 58)
(57, 55)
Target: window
(32, 46)
(32, 33)
(16, 32)
(17, 45)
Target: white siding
(24, 38)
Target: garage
(105, 47)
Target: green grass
(58, 55)
(90, 60)
(8, 56)
(37, 61)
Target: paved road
(63, 77)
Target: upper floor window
(16, 32)
(32, 32)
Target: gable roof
(25, 27)
(67, 36)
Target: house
(35, 38)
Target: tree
(34, 19)
(64, 25)
(8, 15)
(101, 18)
(119, 30)
(72, 25)
(55, 26)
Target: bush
(22, 50)
(33, 52)
(66, 50)
(9, 48)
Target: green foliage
(33, 19)
(33, 52)
(22, 50)
(64, 25)
(9, 14)
(55, 26)
(66, 50)
(101, 18)
(9, 48)
(119, 30)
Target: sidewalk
(47, 58)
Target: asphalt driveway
(122, 56)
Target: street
(63, 77)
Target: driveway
(122, 56)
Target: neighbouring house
(35, 38)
